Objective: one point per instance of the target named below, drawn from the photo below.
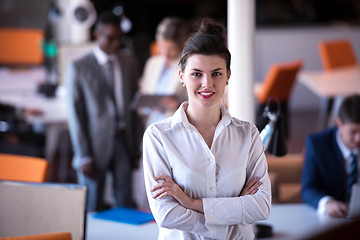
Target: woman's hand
(252, 187)
(167, 187)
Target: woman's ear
(229, 74)
(181, 78)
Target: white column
(241, 28)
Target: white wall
(278, 45)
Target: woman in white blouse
(205, 172)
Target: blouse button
(212, 189)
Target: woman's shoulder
(155, 60)
(245, 126)
(242, 123)
(160, 126)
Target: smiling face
(205, 78)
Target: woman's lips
(206, 94)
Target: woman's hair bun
(209, 26)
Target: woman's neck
(203, 118)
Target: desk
(298, 221)
(331, 84)
(19, 89)
(289, 221)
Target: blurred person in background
(103, 129)
(161, 71)
(332, 162)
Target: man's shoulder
(85, 67)
(323, 138)
(84, 60)
(324, 133)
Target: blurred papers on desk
(125, 215)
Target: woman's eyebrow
(214, 70)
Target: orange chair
(278, 84)
(23, 168)
(21, 46)
(46, 236)
(337, 53)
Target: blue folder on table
(125, 215)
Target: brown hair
(208, 39)
(349, 111)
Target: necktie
(353, 173)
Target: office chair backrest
(46, 236)
(21, 46)
(23, 168)
(336, 53)
(279, 81)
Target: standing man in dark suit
(104, 131)
(332, 162)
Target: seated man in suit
(103, 129)
(332, 162)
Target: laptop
(354, 206)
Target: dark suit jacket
(92, 112)
(324, 168)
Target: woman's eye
(196, 74)
(217, 74)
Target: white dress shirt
(346, 152)
(175, 148)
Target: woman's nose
(206, 82)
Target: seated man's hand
(336, 209)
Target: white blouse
(175, 148)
